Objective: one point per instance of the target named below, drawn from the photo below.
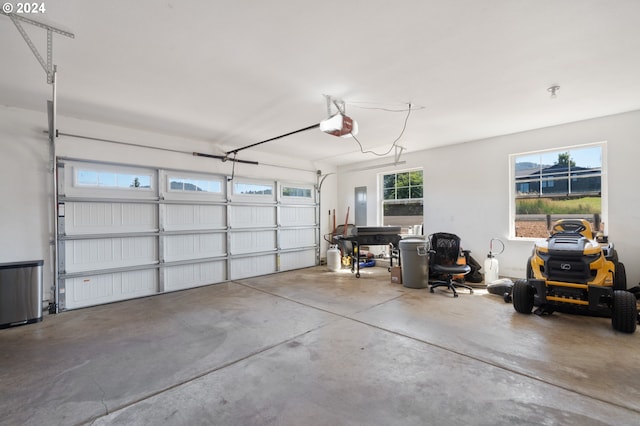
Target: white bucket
(333, 259)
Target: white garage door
(127, 232)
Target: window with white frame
(248, 188)
(298, 192)
(402, 199)
(556, 184)
(112, 180)
(182, 184)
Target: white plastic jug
(491, 269)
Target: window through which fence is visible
(558, 184)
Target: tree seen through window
(552, 185)
(402, 199)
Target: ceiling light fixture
(554, 91)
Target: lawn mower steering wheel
(569, 227)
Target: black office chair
(444, 251)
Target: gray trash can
(20, 293)
(414, 262)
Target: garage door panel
(186, 276)
(105, 253)
(253, 241)
(194, 217)
(294, 238)
(94, 218)
(194, 246)
(253, 266)
(98, 289)
(297, 259)
(298, 216)
(252, 216)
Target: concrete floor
(312, 347)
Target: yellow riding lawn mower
(575, 271)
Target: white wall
(467, 186)
(26, 186)
(25, 189)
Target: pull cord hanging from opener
(233, 167)
(235, 151)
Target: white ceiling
(239, 72)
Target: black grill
(560, 267)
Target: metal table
(371, 236)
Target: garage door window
(241, 188)
(180, 184)
(290, 191)
(107, 179)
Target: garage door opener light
(340, 125)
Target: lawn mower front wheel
(522, 296)
(624, 315)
